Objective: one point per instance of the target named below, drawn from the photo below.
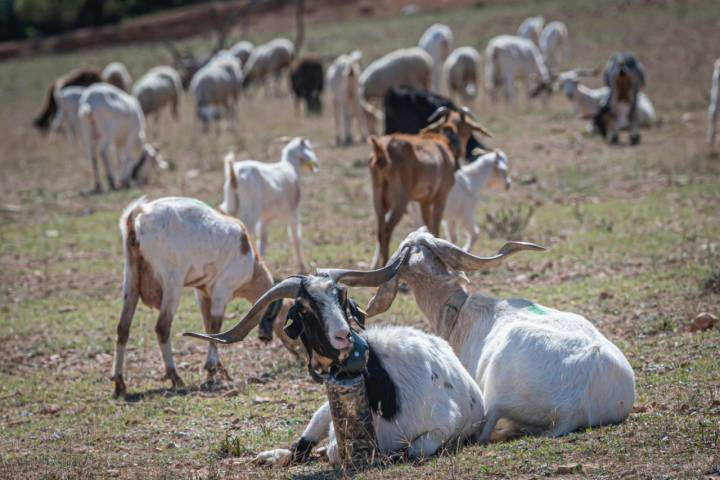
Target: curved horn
(367, 278)
(288, 288)
(461, 260)
(467, 112)
(441, 111)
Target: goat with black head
(420, 396)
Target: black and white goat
(420, 395)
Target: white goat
(438, 42)
(108, 116)
(714, 107)
(215, 88)
(242, 50)
(272, 58)
(66, 117)
(531, 28)
(175, 242)
(342, 79)
(410, 67)
(546, 371)
(460, 71)
(116, 73)
(509, 58)
(159, 87)
(259, 192)
(554, 44)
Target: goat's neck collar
(449, 312)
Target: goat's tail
(230, 204)
(131, 252)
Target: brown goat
(81, 77)
(419, 168)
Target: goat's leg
(96, 173)
(339, 127)
(452, 231)
(492, 415)
(347, 125)
(213, 323)
(396, 213)
(427, 217)
(295, 233)
(473, 232)
(414, 211)
(131, 295)
(262, 236)
(108, 168)
(633, 119)
(168, 307)
(438, 208)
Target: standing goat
(242, 50)
(66, 116)
(215, 88)
(81, 77)
(259, 192)
(554, 44)
(460, 71)
(176, 242)
(116, 73)
(306, 80)
(531, 28)
(714, 107)
(161, 86)
(272, 58)
(108, 116)
(624, 75)
(420, 396)
(546, 371)
(509, 58)
(438, 42)
(419, 168)
(343, 83)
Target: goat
(437, 41)
(272, 58)
(405, 168)
(242, 50)
(624, 75)
(215, 88)
(342, 80)
(509, 58)
(407, 111)
(259, 192)
(306, 80)
(116, 73)
(420, 396)
(108, 116)
(81, 77)
(66, 117)
(159, 87)
(177, 242)
(531, 28)
(546, 371)
(554, 44)
(714, 103)
(460, 71)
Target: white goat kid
(714, 107)
(546, 371)
(508, 59)
(110, 117)
(176, 242)
(160, 87)
(437, 41)
(343, 82)
(554, 44)
(66, 117)
(531, 28)
(460, 72)
(259, 192)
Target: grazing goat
(438, 42)
(624, 75)
(714, 103)
(342, 80)
(259, 192)
(109, 116)
(116, 73)
(546, 371)
(159, 87)
(242, 50)
(419, 168)
(420, 396)
(272, 58)
(177, 242)
(215, 88)
(81, 77)
(66, 117)
(460, 71)
(407, 111)
(509, 58)
(554, 44)
(306, 80)
(531, 28)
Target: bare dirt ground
(632, 237)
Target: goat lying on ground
(420, 396)
(176, 242)
(546, 371)
(259, 192)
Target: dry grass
(632, 233)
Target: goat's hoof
(120, 388)
(280, 457)
(177, 383)
(634, 139)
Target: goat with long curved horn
(459, 259)
(367, 278)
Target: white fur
(531, 28)
(272, 58)
(460, 71)
(159, 87)
(714, 106)
(343, 82)
(438, 42)
(215, 88)
(409, 67)
(116, 73)
(66, 117)
(269, 191)
(242, 50)
(554, 44)
(508, 59)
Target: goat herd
(542, 370)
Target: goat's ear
(379, 156)
(295, 327)
(357, 313)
